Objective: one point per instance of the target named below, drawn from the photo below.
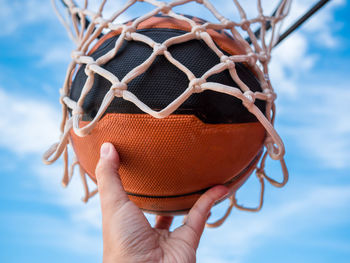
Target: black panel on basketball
(163, 82)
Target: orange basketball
(166, 164)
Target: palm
(132, 235)
(128, 236)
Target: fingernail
(209, 214)
(227, 195)
(105, 150)
(224, 195)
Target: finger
(163, 222)
(112, 193)
(195, 221)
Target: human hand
(128, 236)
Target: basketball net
(85, 26)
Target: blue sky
(307, 221)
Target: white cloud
(243, 233)
(38, 18)
(27, 128)
(109, 9)
(320, 124)
(292, 58)
(55, 49)
(317, 113)
(324, 23)
(321, 25)
(56, 54)
(289, 61)
(27, 125)
(17, 14)
(86, 214)
(48, 231)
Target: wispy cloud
(50, 231)
(321, 26)
(27, 125)
(242, 233)
(15, 15)
(49, 40)
(109, 9)
(324, 24)
(320, 124)
(316, 113)
(27, 129)
(54, 54)
(69, 198)
(289, 62)
(293, 57)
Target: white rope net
(84, 27)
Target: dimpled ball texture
(166, 164)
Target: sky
(306, 221)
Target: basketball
(167, 163)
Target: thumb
(112, 193)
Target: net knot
(252, 58)
(81, 13)
(78, 110)
(269, 140)
(118, 88)
(96, 17)
(199, 1)
(73, 9)
(245, 24)
(88, 66)
(165, 8)
(76, 54)
(225, 59)
(260, 172)
(227, 23)
(249, 99)
(263, 57)
(103, 22)
(128, 30)
(159, 49)
(198, 30)
(62, 97)
(196, 84)
(273, 150)
(270, 95)
(267, 77)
